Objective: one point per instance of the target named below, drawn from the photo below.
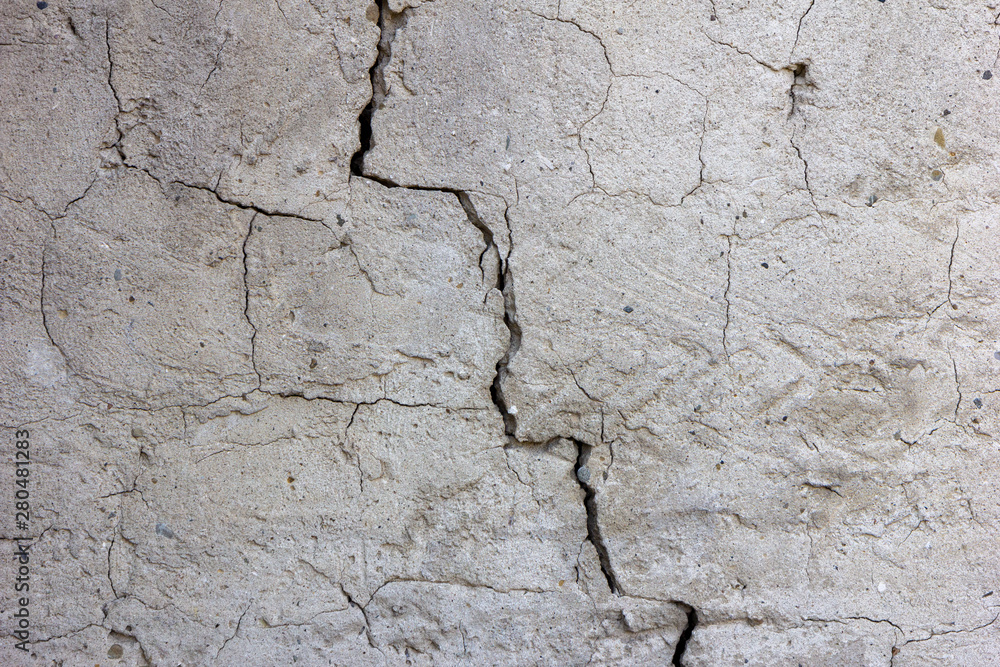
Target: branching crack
(218, 55)
(934, 633)
(235, 632)
(488, 243)
(364, 613)
(607, 93)
(701, 159)
(805, 174)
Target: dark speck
(118, 274)
(987, 75)
(340, 220)
(978, 402)
(41, 5)
(785, 418)
(627, 309)
(946, 113)
(764, 264)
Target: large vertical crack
(389, 23)
(502, 284)
(682, 641)
(488, 242)
(506, 286)
(117, 145)
(246, 302)
(594, 536)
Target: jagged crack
(682, 641)
(593, 526)
(388, 23)
(246, 303)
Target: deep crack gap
(581, 470)
(365, 120)
(682, 641)
(593, 527)
(387, 22)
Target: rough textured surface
(518, 332)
